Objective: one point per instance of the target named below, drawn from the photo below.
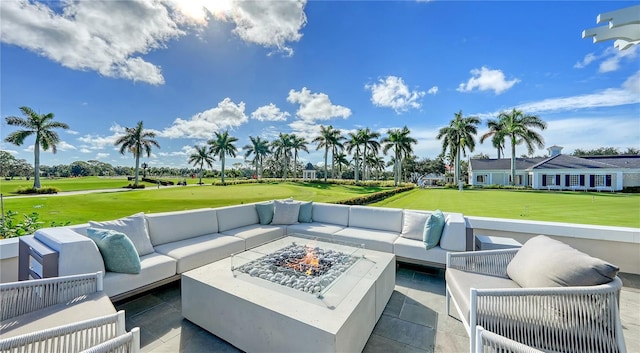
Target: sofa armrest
(488, 262)
(76, 253)
(454, 234)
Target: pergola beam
(623, 27)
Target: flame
(310, 259)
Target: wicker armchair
(100, 335)
(558, 319)
(489, 342)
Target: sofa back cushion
(329, 213)
(545, 262)
(168, 227)
(134, 227)
(265, 212)
(389, 219)
(413, 224)
(117, 250)
(232, 217)
(433, 229)
(454, 234)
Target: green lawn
(613, 209)
(105, 206)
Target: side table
(489, 242)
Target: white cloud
(61, 146)
(628, 93)
(101, 155)
(71, 132)
(269, 113)
(433, 90)
(96, 142)
(84, 150)
(485, 79)
(202, 125)
(611, 59)
(185, 151)
(316, 106)
(111, 37)
(9, 151)
(392, 92)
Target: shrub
(43, 190)
(133, 186)
(376, 196)
(10, 227)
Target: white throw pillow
(134, 227)
(413, 225)
(285, 212)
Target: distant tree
(370, 141)
(481, 156)
(497, 134)
(458, 137)
(81, 168)
(401, 143)
(222, 145)
(341, 160)
(7, 164)
(199, 158)
(606, 151)
(355, 142)
(260, 149)
(40, 125)
(137, 140)
(328, 139)
(282, 151)
(518, 128)
(297, 144)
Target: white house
(559, 171)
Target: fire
(311, 260)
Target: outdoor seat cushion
(330, 213)
(460, 283)
(372, 239)
(387, 219)
(232, 217)
(82, 308)
(167, 227)
(205, 249)
(154, 267)
(415, 249)
(315, 229)
(255, 235)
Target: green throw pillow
(265, 212)
(304, 215)
(118, 252)
(433, 228)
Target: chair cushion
(305, 213)
(413, 225)
(256, 234)
(433, 229)
(199, 251)
(265, 212)
(315, 229)
(373, 239)
(387, 219)
(134, 227)
(172, 226)
(545, 262)
(117, 250)
(330, 213)
(414, 250)
(285, 212)
(154, 267)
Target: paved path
(82, 192)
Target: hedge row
(371, 183)
(376, 196)
(43, 190)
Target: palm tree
(137, 140)
(518, 127)
(458, 136)
(341, 160)
(200, 157)
(370, 140)
(41, 125)
(282, 151)
(260, 149)
(496, 132)
(297, 144)
(401, 142)
(355, 140)
(376, 163)
(329, 138)
(221, 146)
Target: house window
(519, 178)
(481, 179)
(599, 180)
(551, 179)
(574, 180)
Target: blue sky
(260, 68)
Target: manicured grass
(106, 206)
(613, 209)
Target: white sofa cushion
(257, 234)
(167, 227)
(315, 229)
(155, 267)
(236, 216)
(77, 253)
(373, 239)
(454, 235)
(134, 227)
(330, 213)
(415, 249)
(389, 219)
(205, 249)
(413, 224)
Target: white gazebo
(309, 172)
(623, 27)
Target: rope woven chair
(489, 342)
(583, 319)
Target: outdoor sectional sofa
(184, 240)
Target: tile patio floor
(414, 320)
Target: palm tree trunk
(36, 164)
(357, 161)
(137, 171)
(364, 162)
(326, 152)
(513, 160)
(396, 172)
(458, 178)
(222, 161)
(200, 182)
